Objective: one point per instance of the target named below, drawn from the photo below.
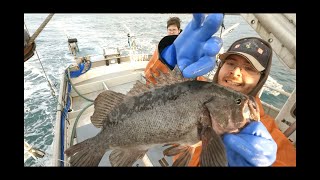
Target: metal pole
(280, 26)
(290, 129)
(35, 35)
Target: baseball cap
(257, 51)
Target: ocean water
(95, 32)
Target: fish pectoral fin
(103, 105)
(84, 154)
(184, 154)
(184, 157)
(213, 152)
(125, 157)
(174, 150)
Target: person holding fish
(219, 123)
(244, 67)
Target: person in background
(173, 26)
(244, 67)
(173, 29)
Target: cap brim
(250, 58)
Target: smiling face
(238, 74)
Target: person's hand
(253, 146)
(195, 49)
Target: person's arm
(153, 67)
(193, 50)
(286, 152)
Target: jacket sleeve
(286, 152)
(156, 63)
(165, 42)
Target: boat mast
(42, 26)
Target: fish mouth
(254, 112)
(246, 110)
(248, 115)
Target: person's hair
(174, 21)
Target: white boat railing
(284, 117)
(269, 105)
(57, 130)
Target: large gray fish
(176, 111)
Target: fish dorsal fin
(103, 105)
(162, 79)
(138, 88)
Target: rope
(75, 89)
(76, 122)
(52, 90)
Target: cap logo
(260, 51)
(248, 45)
(237, 46)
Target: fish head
(230, 111)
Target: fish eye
(238, 101)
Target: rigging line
(26, 28)
(222, 26)
(52, 90)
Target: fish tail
(85, 153)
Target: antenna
(229, 30)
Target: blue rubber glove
(253, 146)
(195, 49)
